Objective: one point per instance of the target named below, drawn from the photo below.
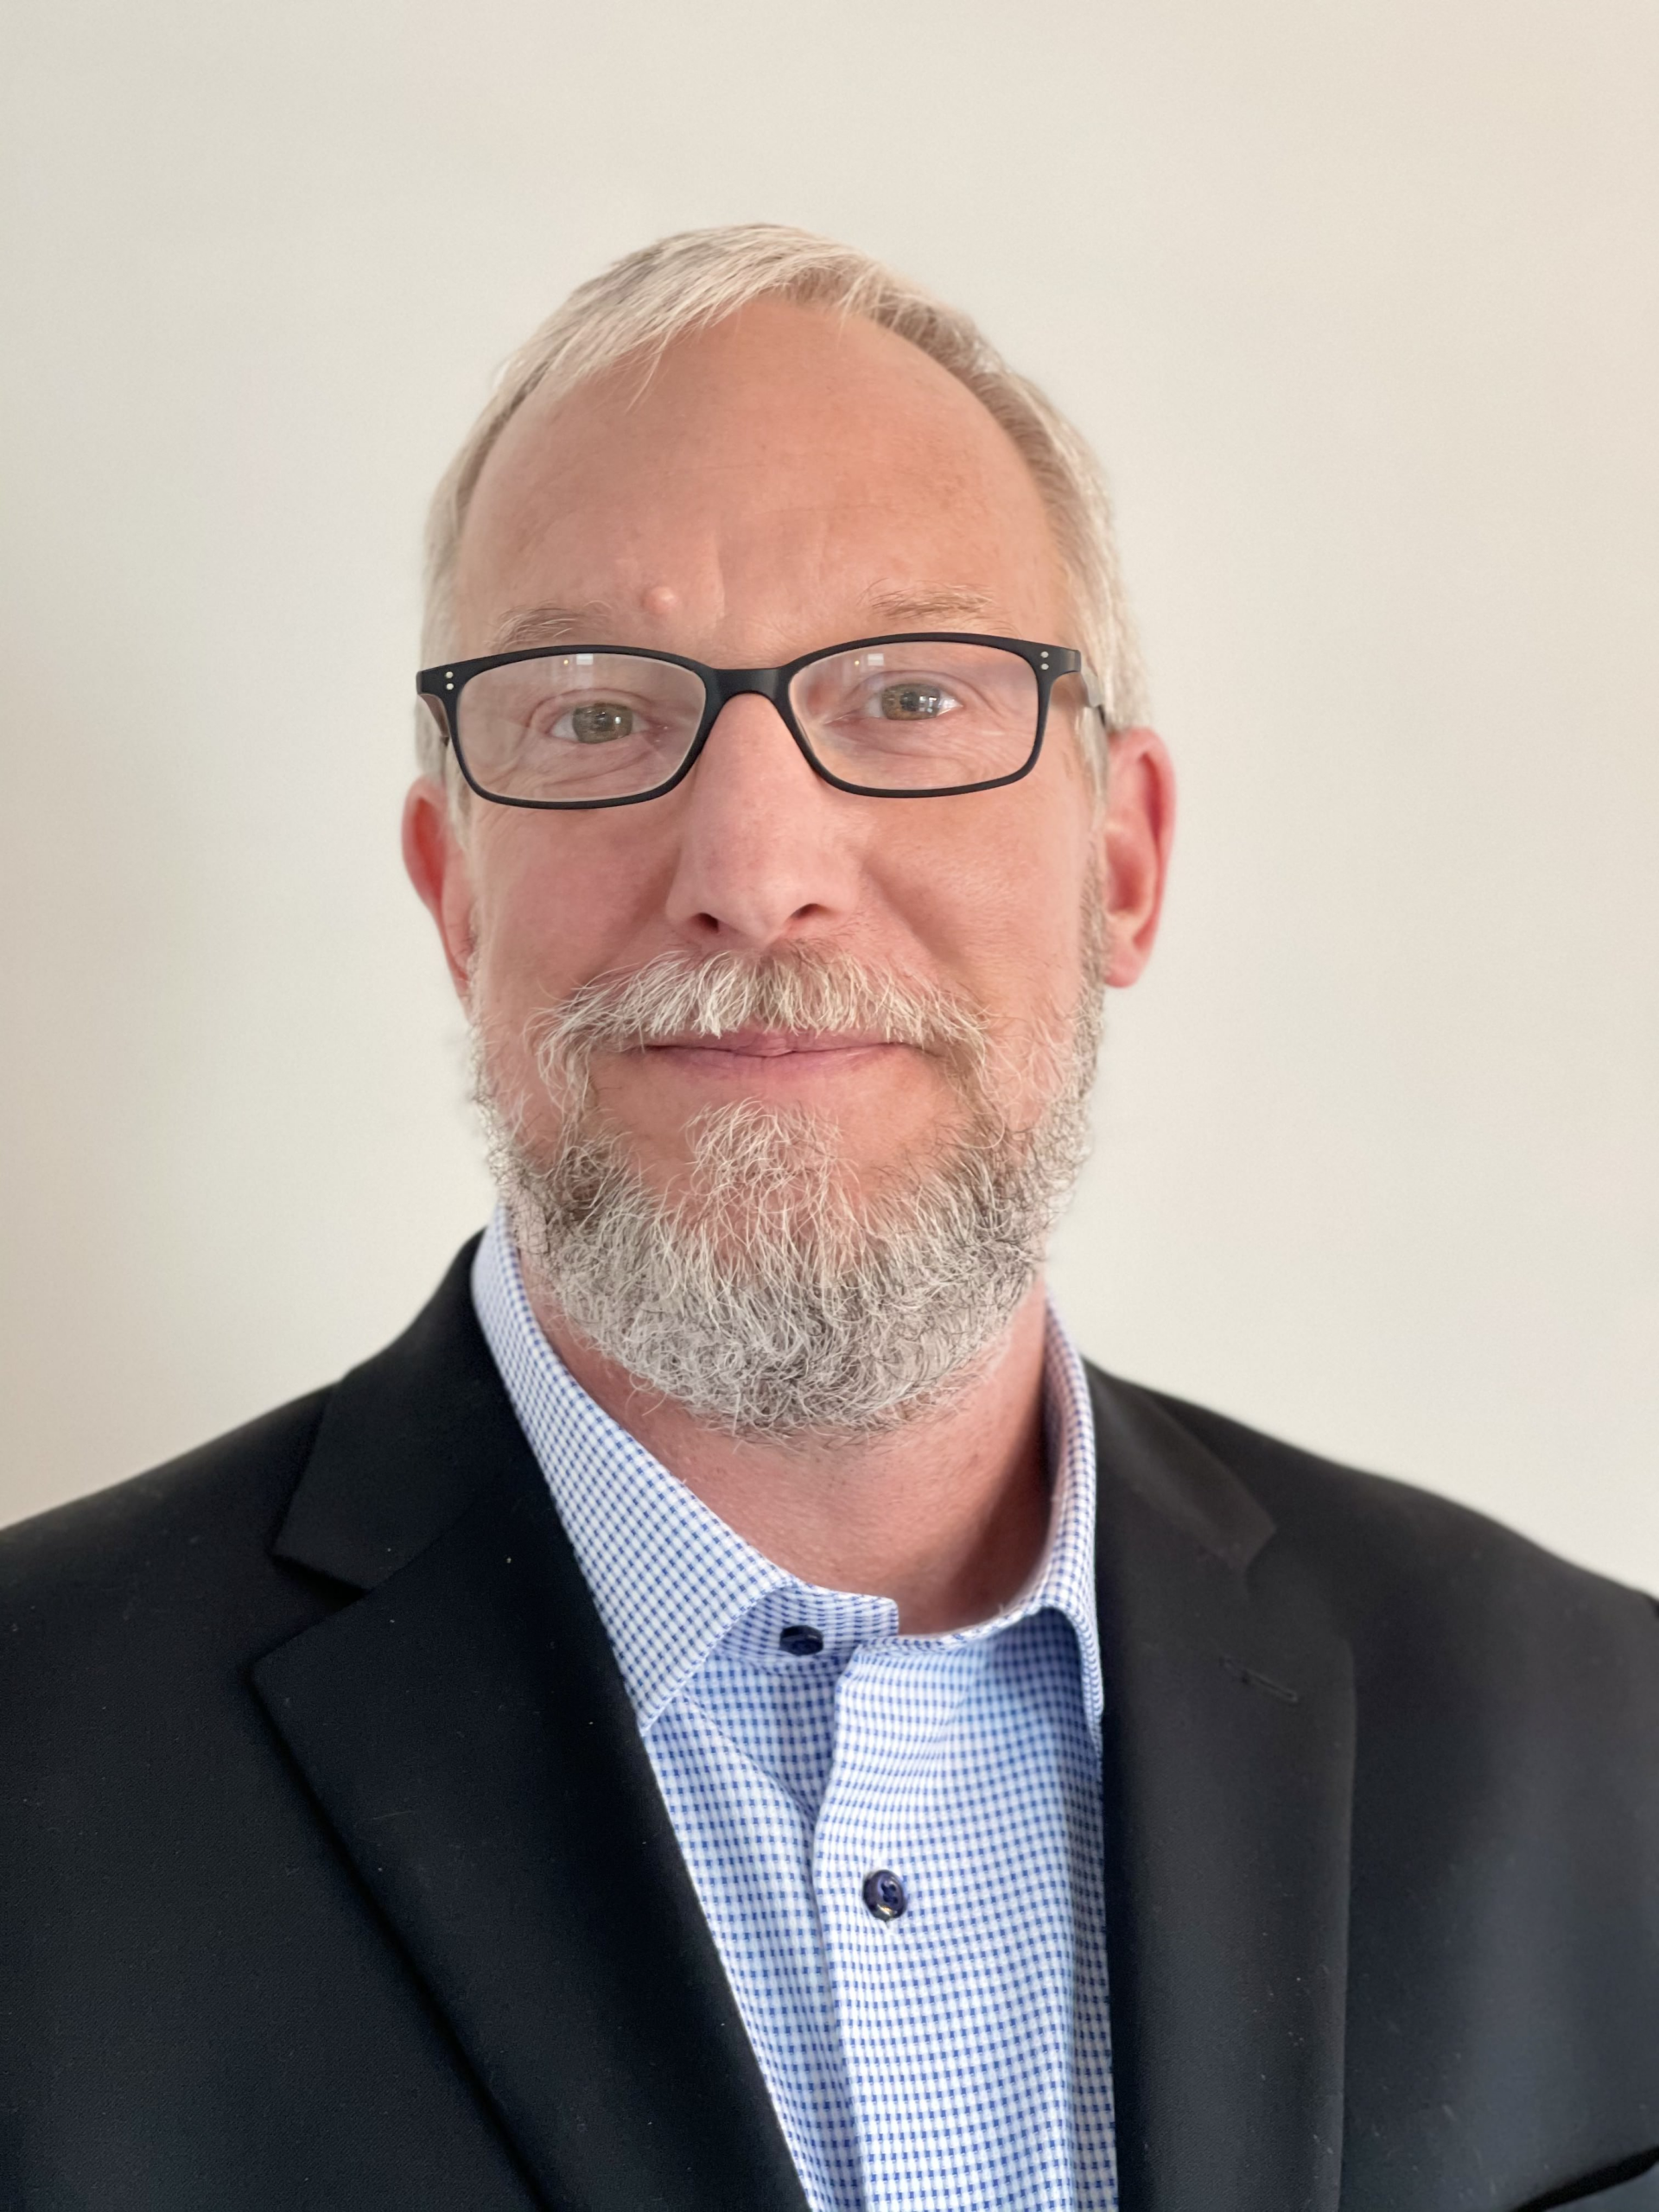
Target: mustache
(805, 991)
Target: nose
(767, 851)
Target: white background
(1360, 302)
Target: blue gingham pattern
(955, 2057)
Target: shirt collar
(670, 1579)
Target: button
(800, 1642)
(883, 1893)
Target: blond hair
(637, 306)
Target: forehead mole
(660, 599)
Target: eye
(600, 721)
(915, 701)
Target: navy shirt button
(801, 1643)
(883, 1893)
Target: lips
(769, 1044)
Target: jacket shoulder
(159, 1576)
(243, 1478)
(1436, 1590)
(1315, 1495)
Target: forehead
(787, 458)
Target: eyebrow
(552, 626)
(948, 603)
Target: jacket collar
(1228, 1786)
(465, 1733)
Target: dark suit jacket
(335, 1875)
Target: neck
(948, 1517)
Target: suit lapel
(1228, 1784)
(466, 1732)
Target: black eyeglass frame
(446, 682)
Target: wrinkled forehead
(787, 450)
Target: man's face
(786, 482)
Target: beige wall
(1361, 303)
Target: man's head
(786, 1081)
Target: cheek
(1000, 901)
(560, 900)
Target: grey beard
(766, 1294)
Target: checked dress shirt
(896, 1839)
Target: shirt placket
(880, 1918)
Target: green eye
(912, 703)
(600, 721)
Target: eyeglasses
(929, 715)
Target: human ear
(1137, 825)
(439, 867)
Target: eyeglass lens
(914, 716)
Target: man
(729, 1712)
